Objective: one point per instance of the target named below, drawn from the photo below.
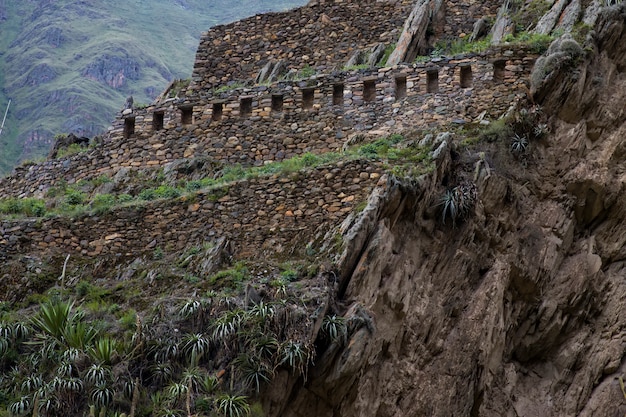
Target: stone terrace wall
(460, 16)
(321, 36)
(263, 216)
(496, 81)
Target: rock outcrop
(519, 311)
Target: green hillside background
(68, 66)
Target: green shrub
(157, 253)
(230, 278)
(72, 149)
(74, 197)
(83, 288)
(374, 149)
(124, 198)
(166, 191)
(23, 206)
(289, 275)
(148, 194)
(102, 179)
(193, 185)
(306, 72)
(128, 320)
(102, 202)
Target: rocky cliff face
(519, 310)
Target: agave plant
(196, 310)
(450, 205)
(67, 385)
(21, 406)
(161, 372)
(195, 346)
(163, 349)
(167, 412)
(32, 383)
(177, 391)
(97, 374)
(53, 318)
(232, 405)
(227, 324)
(519, 144)
(66, 369)
(253, 371)
(334, 328)
(262, 312)
(79, 335)
(101, 395)
(264, 346)
(6, 330)
(71, 355)
(209, 384)
(4, 346)
(457, 202)
(48, 401)
(189, 309)
(103, 350)
(193, 377)
(295, 355)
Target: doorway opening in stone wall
(186, 114)
(432, 81)
(338, 95)
(499, 67)
(157, 120)
(308, 98)
(218, 110)
(245, 106)
(466, 76)
(369, 89)
(129, 127)
(400, 86)
(277, 102)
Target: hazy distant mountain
(69, 65)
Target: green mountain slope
(68, 66)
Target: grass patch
(356, 67)
(227, 87)
(72, 149)
(460, 46)
(537, 43)
(232, 278)
(306, 72)
(29, 207)
(388, 51)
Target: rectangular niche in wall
(400, 86)
(245, 106)
(466, 76)
(308, 97)
(157, 120)
(218, 109)
(338, 95)
(277, 102)
(129, 127)
(186, 114)
(498, 70)
(432, 81)
(369, 89)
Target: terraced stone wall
(271, 123)
(262, 217)
(322, 36)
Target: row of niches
(338, 96)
